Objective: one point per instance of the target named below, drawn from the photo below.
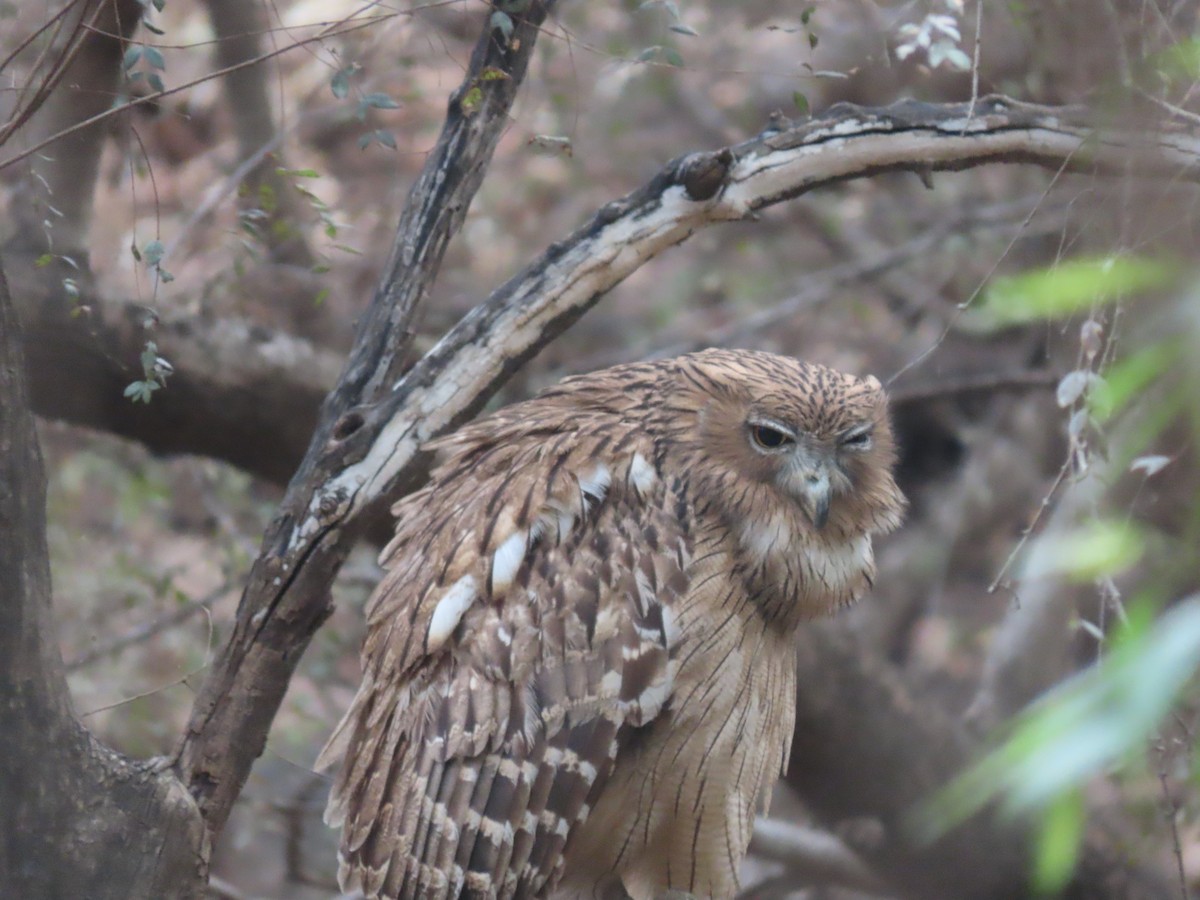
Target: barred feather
(578, 670)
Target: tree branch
(812, 856)
(287, 592)
(239, 392)
(372, 425)
(211, 409)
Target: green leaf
(680, 28)
(801, 103)
(1129, 378)
(1099, 548)
(379, 101)
(1081, 727)
(472, 99)
(1058, 841)
(153, 253)
(141, 391)
(149, 356)
(1067, 288)
(132, 55)
(340, 82)
(1181, 61)
(671, 55)
(154, 58)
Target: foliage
(1101, 719)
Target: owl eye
(857, 440)
(767, 437)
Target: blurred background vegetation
(1039, 331)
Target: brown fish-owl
(579, 670)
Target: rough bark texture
(287, 593)
(77, 819)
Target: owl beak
(815, 492)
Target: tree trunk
(79, 820)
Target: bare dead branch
(367, 444)
(337, 29)
(462, 371)
(147, 630)
(286, 596)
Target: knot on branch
(703, 174)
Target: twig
(148, 630)
(1171, 811)
(182, 679)
(977, 383)
(812, 855)
(158, 95)
(975, 60)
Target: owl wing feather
(522, 631)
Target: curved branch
(367, 445)
(453, 381)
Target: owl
(579, 670)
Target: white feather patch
(596, 484)
(641, 474)
(670, 626)
(507, 560)
(449, 611)
(841, 565)
(761, 538)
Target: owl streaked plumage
(579, 670)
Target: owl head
(774, 430)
